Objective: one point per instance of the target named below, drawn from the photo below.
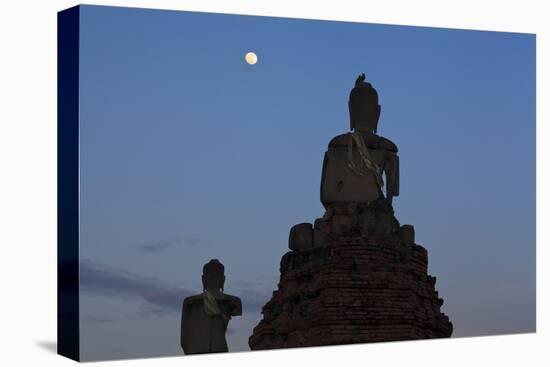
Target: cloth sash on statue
(211, 307)
(366, 160)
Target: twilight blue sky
(188, 153)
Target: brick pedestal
(352, 290)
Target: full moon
(251, 58)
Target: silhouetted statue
(355, 162)
(205, 316)
(356, 274)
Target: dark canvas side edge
(68, 38)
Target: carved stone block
(321, 229)
(406, 234)
(301, 237)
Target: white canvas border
(28, 189)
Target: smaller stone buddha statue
(205, 316)
(355, 162)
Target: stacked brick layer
(352, 290)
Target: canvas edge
(68, 44)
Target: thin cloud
(253, 299)
(159, 246)
(160, 296)
(93, 318)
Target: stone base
(352, 290)
(345, 219)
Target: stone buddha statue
(355, 162)
(205, 316)
(356, 167)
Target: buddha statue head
(364, 110)
(213, 277)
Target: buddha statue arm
(391, 169)
(237, 308)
